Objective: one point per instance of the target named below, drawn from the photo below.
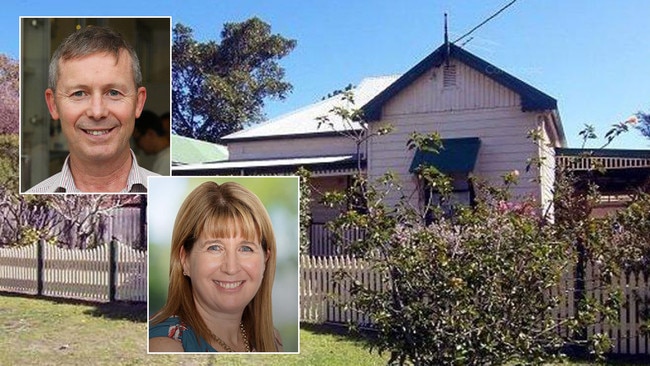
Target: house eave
(229, 140)
(319, 166)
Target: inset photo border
(280, 197)
(46, 140)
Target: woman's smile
(229, 285)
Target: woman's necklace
(227, 347)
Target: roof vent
(449, 76)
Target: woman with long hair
(222, 266)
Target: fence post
(143, 221)
(579, 287)
(40, 261)
(112, 271)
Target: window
(462, 195)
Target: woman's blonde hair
(222, 211)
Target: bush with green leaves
(472, 288)
(479, 285)
(482, 285)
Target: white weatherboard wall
(547, 169)
(476, 106)
(295, 147)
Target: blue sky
(592, 56)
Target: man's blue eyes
(110, 93)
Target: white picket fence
(105, 273)
(625, 333)
(18, 269)
(323, 299)
(323, 296)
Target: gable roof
(304, 122)
(532, 99)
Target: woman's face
(226, 272)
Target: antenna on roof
(447, 46)
(483, 22)
(466, 42)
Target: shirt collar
(135, 182)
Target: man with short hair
(95, 89)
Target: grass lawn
(46, 331)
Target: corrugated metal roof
(186, 150)
(304, 120)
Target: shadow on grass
(615, 360)
(581, 355)
(363, 337)
(118, 310)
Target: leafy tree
(8, 95)
(644, 123)
(629, 246)
(218, 88)
(8, 123)
(25, 219)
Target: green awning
(455, 156)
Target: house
(483, 114)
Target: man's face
(97, 101)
